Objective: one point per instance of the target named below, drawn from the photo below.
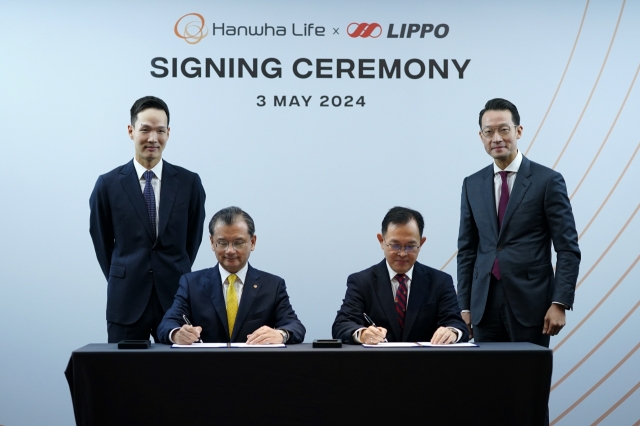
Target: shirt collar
(392, 273)
(512, 168)
(140, 169)
(241, 274)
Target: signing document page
(228, 345)
(419, 344)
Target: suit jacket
(264, 301)
(538, 213)
(432, 304)
(122, 237)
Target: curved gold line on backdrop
(604, 253)
(595, 85)
(595, 348)
(575, 43)
(610, 192)
(594, 387)
(606, 138)
(595, 308)
(616, 405)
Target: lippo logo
(191, 28)
(374, 30)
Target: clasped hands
(374, 335)
(189, 334)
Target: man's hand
(264, 336)
(554, 320)
(373, 335)
(444, 336)
(466, 316)
(186, 335)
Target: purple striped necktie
(150, 199)
(401, 299)
(502, 207)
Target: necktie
(401, 299)
(502, 207)
(150, 199)
(232, 302)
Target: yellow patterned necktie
(232, 303)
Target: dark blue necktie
(150, 199)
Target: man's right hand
(186, 335)
(466, 316)
(373, 335)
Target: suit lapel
(488, 195)
(250, 291)
(382, 286)
(520, 188)
(131, 185)
(168, 190)
(417, 294)
(214, 287)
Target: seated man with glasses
(399, 299)
(231, 302)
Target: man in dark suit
(406, 300)
(231, 302)
(511, 212)
(146, 225)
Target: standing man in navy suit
(511, 212)
(406, 300)
(231, 302)
(146, 225)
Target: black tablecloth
(493, 384)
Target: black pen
(370, 321)
(186, 320)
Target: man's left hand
(444, 336)
(554, 320)
(264, 336)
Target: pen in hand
(186, 321)
(370, 321)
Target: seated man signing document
(231, 302)
(406, 300)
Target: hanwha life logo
(191, 28)
(364, 30)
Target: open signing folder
(228, 345)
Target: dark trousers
(146, 325)
(498, 323)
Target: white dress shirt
(512, 171)
(155, 184)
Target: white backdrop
(317, 180)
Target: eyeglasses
(397, 248)
(224, 245)
(503, 130)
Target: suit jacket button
(499, 248)
(151, 271)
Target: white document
(393, 345)
(201, 345)
(244, 345)
(225, 345)
(452, 345)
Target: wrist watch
(285, 335)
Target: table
(493, 384)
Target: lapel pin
(255, 286)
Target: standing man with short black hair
(511, 212)
(146, 224)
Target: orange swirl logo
(192, 31)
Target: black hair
(499, 104)
(401, 216)
(146, 103)
(228, 216)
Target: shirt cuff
(458, 332)
(171, 333)
(356, 335)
